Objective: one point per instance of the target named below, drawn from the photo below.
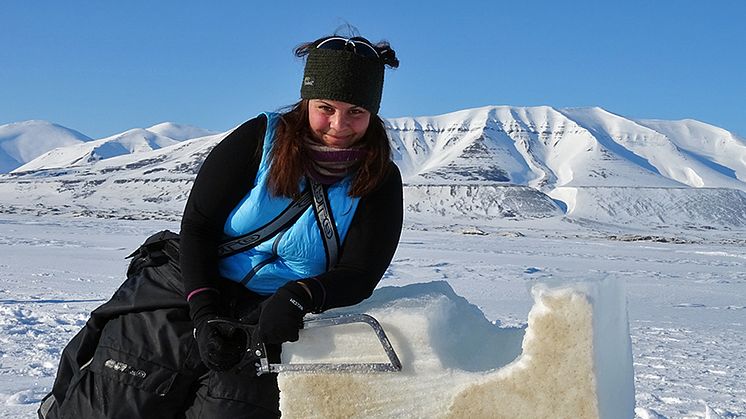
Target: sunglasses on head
(358, 45)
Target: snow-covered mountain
(594, 164)
(180, 132)
(133, 141)
(545, 148)
(22, 142)
(475, 164)
(715, 147)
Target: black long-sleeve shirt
(227, 175)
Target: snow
(657, 207)
(656, 151)
(180, 132)
(49, 146)
(723, 149)
(131, 141)
(686, 310)
(478, 201)
(22, 142)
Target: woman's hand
(282, 314)
(221, 345)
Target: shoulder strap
(285, 219)
(325, 220)
(315, 195)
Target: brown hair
(288, 156)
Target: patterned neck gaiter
(329, 165)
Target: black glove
(221, 345)
(281, 314)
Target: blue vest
(295, 253)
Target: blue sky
(105, 67)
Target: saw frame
(264, 366)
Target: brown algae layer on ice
(554, 377)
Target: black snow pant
(136, 357)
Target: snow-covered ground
(685, 289)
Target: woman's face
(337, 124)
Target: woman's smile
(337, 124)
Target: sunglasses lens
(333, 43)
(365, 49)
(342, 44)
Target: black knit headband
(344, 76)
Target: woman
(331, 146)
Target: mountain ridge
(45, 145)
(485, 163)
(21, 142)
